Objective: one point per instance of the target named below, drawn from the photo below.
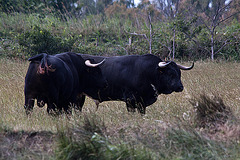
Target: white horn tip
(163, 64)
(88, 63)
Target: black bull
(60, 80)
(137, 80)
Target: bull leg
(68, 104)
(29, 103)
(136, 102)
(41, 101)
(130, 103)
(130, 108)
(141, 108)
(67, 107)
(80, 102)
(51, 108)
(97, 104)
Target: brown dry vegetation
(34, 137)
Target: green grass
(167, 131)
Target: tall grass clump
(89, 141)
(211, 111)
(213, 132)
(188, 143)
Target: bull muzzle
(179, 89)
(89, 64)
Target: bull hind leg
(67, 107)
(41, 101)
(51, 109)
(29, 103)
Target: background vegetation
(180, 29)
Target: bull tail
(43, 66)
(38, 57)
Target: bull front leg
(79, 102)
(130, 103)
(135, 102)
(141, 108)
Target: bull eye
(160, 71)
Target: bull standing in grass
(59, 81)
(137, 79)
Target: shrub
(39, 40)
(189, 144)
(88, 142)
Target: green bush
(88, 141)
(98, 34)
(230, 35)
(39, 40)
(98, 148)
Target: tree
(86, 7)
(169, 8)
(102, 4)
(147, 12)
(211, 14)
(128, 3)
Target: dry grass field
(172, 116)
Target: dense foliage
(117, 28)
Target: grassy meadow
(169, 130)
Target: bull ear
(37, 57)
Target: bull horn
(184, 67)
(89, 64)
(163, 64)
